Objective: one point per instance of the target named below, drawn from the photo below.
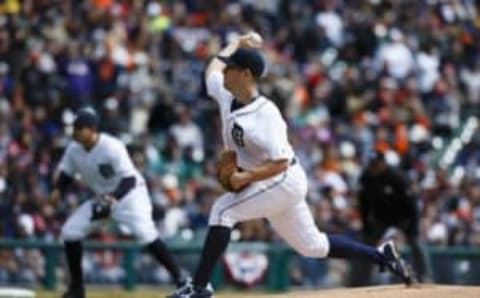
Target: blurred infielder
(121, 194)
(268, 181)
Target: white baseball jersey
(102, 168)
(257, 132)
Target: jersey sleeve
(216, 90)
(67, 164)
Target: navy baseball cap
(246, 58)
(86, 118)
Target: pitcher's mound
(395, 291)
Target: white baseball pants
(134, 211)
(281, 200)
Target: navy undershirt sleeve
(64, 181)
(125, 185)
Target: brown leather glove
(226, 166)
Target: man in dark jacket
(387, 200)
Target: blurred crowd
(349, 76)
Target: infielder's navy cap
(246, 58)
(86, 118)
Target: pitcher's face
(233, 76)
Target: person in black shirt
(387, 200)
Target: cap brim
(227, 60)
(82, 123)
(85, 125)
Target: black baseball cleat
(191, 291)
(394, 263)
(74, 293)
(182, 292)
(183, 282)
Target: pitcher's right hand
(251, 40)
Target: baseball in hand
(251, 40)
(256, 38)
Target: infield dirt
(391, 291)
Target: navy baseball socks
(340, 247)
(215, 244)
(386, 256)
(161, 253)
(346, 248)
(73, 252)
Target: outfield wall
(452, 265)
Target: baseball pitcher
(267, 180)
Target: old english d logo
(106, 170)
(237, 135)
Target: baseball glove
(226, 166)
(101, 208)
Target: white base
(16, 293)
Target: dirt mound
(396, 291)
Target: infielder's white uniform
(102, 168)
(257, 132)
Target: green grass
(146, 293)
(113, 293)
